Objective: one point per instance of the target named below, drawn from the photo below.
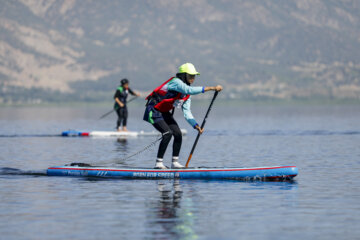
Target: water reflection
(171, 217)
(121, 145)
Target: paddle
(114, 109)
(202, 126)
(106, 114)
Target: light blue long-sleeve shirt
(179, 86)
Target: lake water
(323, 141)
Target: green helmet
(188, 68)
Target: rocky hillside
(60, 50)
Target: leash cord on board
(142, 150)
(125, 158)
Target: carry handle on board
(202, 126)
(114, 109)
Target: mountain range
(73, 50)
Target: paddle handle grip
(132, 99)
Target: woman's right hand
(218, 88)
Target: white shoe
(160, 165)
(176, 165)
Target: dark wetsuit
(168, 127)
(122, 112)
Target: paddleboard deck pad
(257, 173)
(74, 133)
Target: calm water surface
(322, 203)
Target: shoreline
(196, 102)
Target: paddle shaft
(106, 114)
(202, 126)
(114, 109)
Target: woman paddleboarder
(175, 92)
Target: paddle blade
(187, 163)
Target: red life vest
(165, 104)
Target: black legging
(122, 116)
(168, 127)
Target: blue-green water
(322, 203)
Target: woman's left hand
(200, 130)
(218, 88)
